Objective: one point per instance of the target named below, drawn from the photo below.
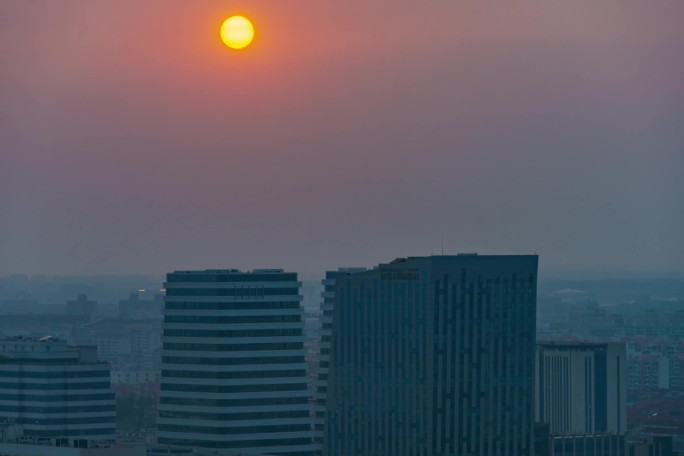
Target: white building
(581, 388)
(51, 390)
(233, 363)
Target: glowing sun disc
(237, 32)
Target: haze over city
(360, 228)
(133, 141)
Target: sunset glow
(135, 140)
(237, 32)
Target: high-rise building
(327, 302)
(581, 388)
(233, 363)
(433, 356)
(51, 390)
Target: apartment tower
(233, 363)
(53, 391)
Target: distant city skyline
(133, 141)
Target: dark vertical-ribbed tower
(433, 356)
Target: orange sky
(349, 133)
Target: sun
(237, 32)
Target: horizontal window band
(233, 375)
(56, 397)
(270, 415)
(234, 388)
(64, 420)
(54, 386)
(237, 292)
(276, 332)
(213, 319)
(71, 432)
(54, 374)
(196, 402)
(235, 430)
(48, 410)
(232, 347)
(232, 361)
(236, 443)
(258, 305)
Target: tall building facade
(51, 390)
(233, 363)
(327, 306)
(433, 356)
(581, 388)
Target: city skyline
(347, 133)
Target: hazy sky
(132, 141)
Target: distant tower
(128, 308)
(581, 388)
(233, 363)
(433, 356)
(81, 307)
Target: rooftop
(45, 339)
(231, 271)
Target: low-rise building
(51, 390)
